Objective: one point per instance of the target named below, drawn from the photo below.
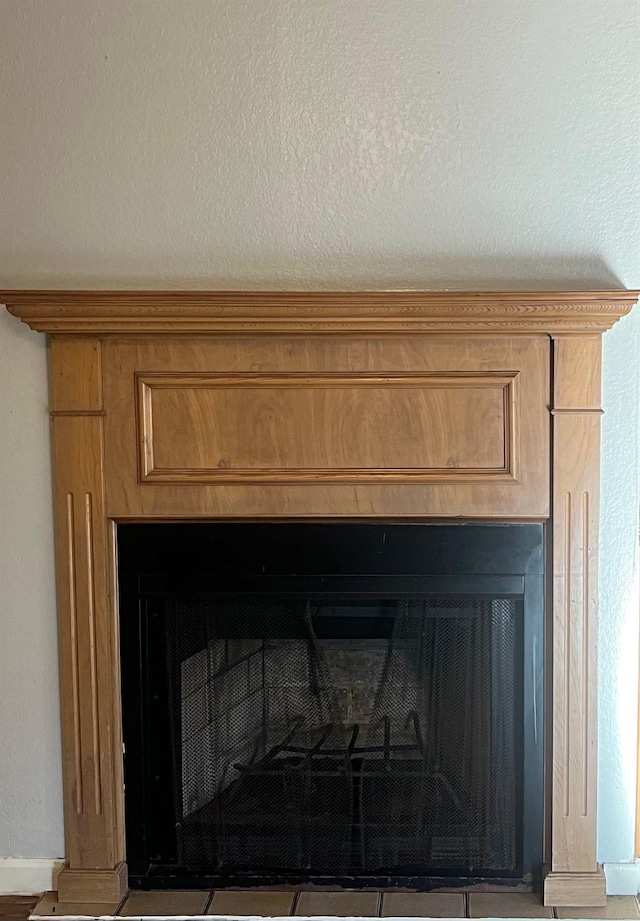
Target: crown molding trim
(318, 312)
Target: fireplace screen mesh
(344, 735)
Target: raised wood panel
(293, 427)
(349, 427)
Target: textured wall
(202, 143)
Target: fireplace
(356, 704)
(227, 408)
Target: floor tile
(422, 905)
(338, 904)
(50, 907)
(619, 908)
(507, 905)
(251, 902)
(165, 902)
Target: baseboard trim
(623, 878)
(28, 875)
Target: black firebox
(335, 703)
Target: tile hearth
(366, 904)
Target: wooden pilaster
(92, 761)
(575, 879)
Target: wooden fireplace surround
(424, 405)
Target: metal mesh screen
(343, 737)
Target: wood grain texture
(332, 312)
(576, 465)
(16, 907)
(363, 427)
(92, 759)
(328, 427)
(86, 885)
(576, 890)
(577, 373)
(76, 375)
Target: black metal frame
(320, 560)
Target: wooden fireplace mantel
(400, 404)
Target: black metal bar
(351, 746)
(387, 741)
(273, 752)
(316, 748)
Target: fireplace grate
(342, 735)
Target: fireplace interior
(339, 703)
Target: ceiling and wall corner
(271, 143)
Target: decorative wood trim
(89, 665)
(93, 886)
(318, 312)
(576, 464)
(576, 890)
(506, 381)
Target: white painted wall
(324, 143)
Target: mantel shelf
(318, 312)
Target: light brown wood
(203, 405)
(577, 372)
(327, 426)
(318, 312)
(576, 464)
(92, 767)
(86, 885)
(76, 375)
(417, 428)
(576, 890)
(575, 585)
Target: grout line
(379, 907)
(207, 904)
(467, 907)
(294, 903)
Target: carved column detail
(87, 622)
(575, 878)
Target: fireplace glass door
(363, 707)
